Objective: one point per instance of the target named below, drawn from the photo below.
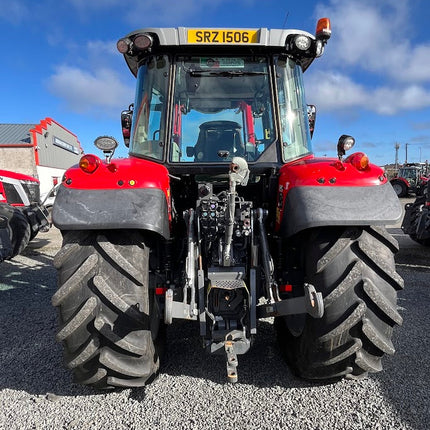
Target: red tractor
(22, 215)
(411, 178)
(222, 215)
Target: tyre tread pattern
(85, 271)
(381, 301)
(85, 313)
(104, 307)
(354, 269)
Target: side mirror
(312, 114)
(126, 120)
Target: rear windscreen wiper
(228, 73)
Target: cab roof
(268, 40)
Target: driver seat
(215, 136)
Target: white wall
(46, 175)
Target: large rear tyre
(109, 317)
(354, 270)
(5, 234)
(414, 211)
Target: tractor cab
(206, 96)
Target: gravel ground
(191, 393)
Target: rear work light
(89, 163)
(302, 42)
(344, 144)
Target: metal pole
(397, 146)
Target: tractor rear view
(411, 178)
(223, 216)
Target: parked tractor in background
(416, 222)
(411, 178)
(22, 215)
(223, 216)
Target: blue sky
(59, 60)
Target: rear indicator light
(359, 160)
(89, 163)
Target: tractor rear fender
(399, 178)
(316, 206)
(129, 208)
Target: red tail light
(286, 288)
(89, 163)
(160, 291)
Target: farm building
(44, 151)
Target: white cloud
(92, 85)
(373, 64)
(334, 91)
(375, 36)
(100, 48)
(391, 100)
(84, 91)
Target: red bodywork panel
(120, 174)
(323, 172)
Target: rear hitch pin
(231, 361)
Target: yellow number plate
(222, 36)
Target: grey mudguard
(138, 208)
(307, 207)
